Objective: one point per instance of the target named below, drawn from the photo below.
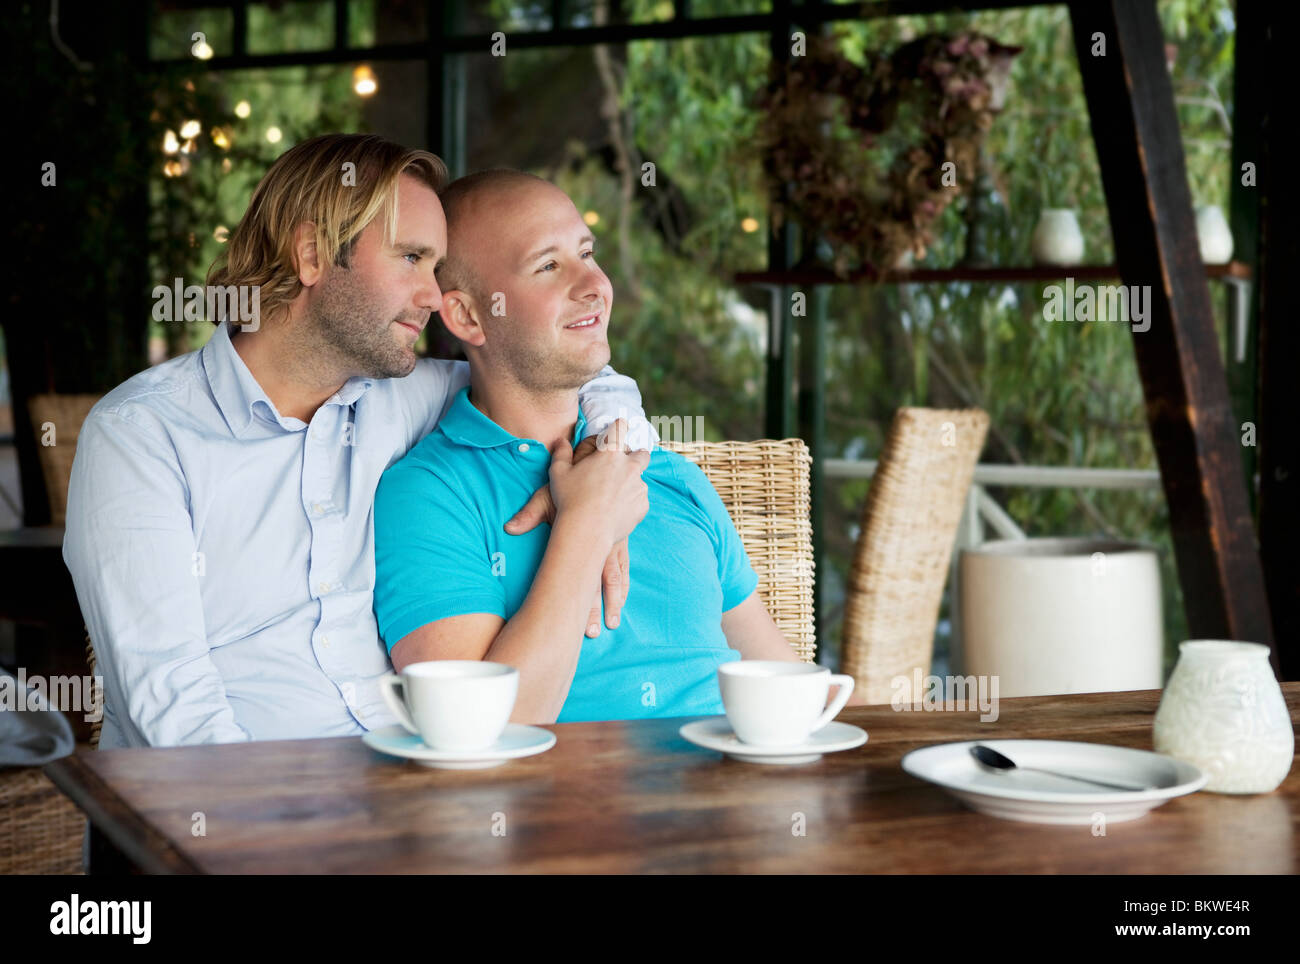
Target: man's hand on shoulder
(608, 490)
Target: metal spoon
(994, 760)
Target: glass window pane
(728, 8)
(286, 27)
(171, 32)
(372, 22)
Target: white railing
(983, 510)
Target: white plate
(1042, 798)
(716, 734)
(517, 740)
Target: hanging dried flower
(869, 158)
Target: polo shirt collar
(237, 391)
(465, 424)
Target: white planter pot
(1062, 616)
(1223, 711)
(1213, 235)
(1057, 238)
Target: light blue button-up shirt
(223, 554)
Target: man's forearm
(543, 640)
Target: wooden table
(633, 797)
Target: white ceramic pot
(1223, 711)
(1213, 234)
(1057, 238)
(1062, 616)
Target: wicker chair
(65, 413)
(901, 560)
(764, 485)
(41, 830)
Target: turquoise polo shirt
(441, 550)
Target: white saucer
(716, 734)
(1042, 798)
(517, 740)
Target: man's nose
(430, 296)
(589, 288)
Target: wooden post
(1121, 54)
(1279, 340)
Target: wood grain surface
(634, 797)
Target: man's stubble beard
(541, 371)
(344, 324)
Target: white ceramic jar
(1223, 711)
(1057, 238)
(1213, 235)
(1062, 615)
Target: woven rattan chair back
(764, 485)
(40, 828)
(57, 420)
(900, 563)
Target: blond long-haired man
(219, 526)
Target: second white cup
(779, 703)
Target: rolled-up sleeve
(130, 547)
(611, 396)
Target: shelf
(818, 275)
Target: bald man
(523, 294)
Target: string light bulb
(363, 80)
(191, 129)
(243, 109)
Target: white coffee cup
(453, 704)
(779, 702)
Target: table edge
(138, 841)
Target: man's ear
(305, 256)
(460, 316)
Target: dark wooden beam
(1196, 437)
(1279, 339)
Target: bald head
(469, 203)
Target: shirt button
(322, 587)
(325, 641)
(316, 507)
(524, 446)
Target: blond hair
(310, 182)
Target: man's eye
(411, 254)
(547, 266)
(589, 254)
